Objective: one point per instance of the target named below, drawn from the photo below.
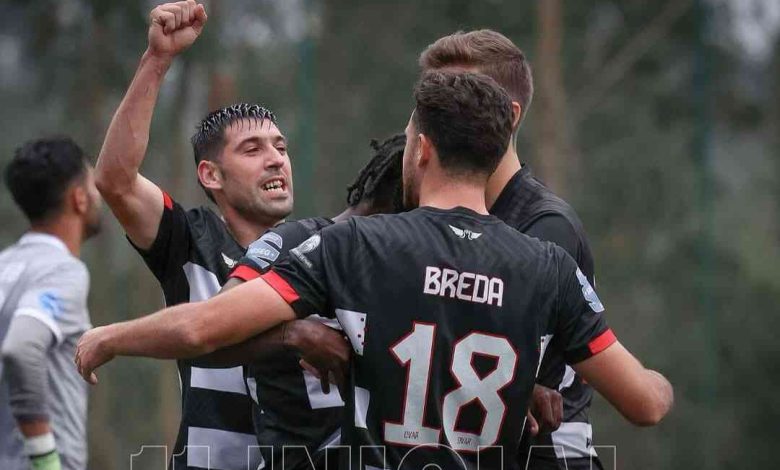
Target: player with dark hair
(295, 411)
(516, 197)
(43, 308)
(444, 306)
(243, 166)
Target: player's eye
(252, 150)
(282, 149)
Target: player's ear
(209, 175)
(425, 150)
(79, 198)
(517, 112)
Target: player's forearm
(252, 350)
(642, 396)
(171, 333)
(128, 134)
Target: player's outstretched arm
(135, 201)
(187, 330)
(641, 395)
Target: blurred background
(658, 121)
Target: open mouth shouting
(275, 186)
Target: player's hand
(324, 351)
(546, 411)
(173, 27)
(93, 351)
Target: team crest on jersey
(51, 304)
(465, 233)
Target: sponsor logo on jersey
(470, 287)
(464, 233)
(589, 294)
(262, 250)
(307, 246)
(229, 262)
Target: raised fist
(175, 26)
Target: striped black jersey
(191, 257)
(530, 207)
(446, 311)
(295, 420)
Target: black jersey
(191, 258)
(291, 409)
(445, 311)
(530, 207)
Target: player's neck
(69, 230)
(510, 164)
(243, 230)
(449, 193)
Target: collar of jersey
(463, 212)
(30, 238)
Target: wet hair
(40, 173)
(380, 180)
(209, 138)
(467, 117)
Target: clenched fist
(174, 27)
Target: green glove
(50, 461)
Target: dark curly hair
(380, 180)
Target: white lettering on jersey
(463, 286)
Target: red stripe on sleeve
(245, 273)
(281, 286)
(602, 342)
(167, 201)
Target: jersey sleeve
(58, 299)
(306, 278)
(170, 249)
(579, 320)
(271, 248)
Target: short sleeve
(170, 249)
(579, 320)
(270, 248)
(58, 299)
(305, 278)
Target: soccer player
(243, 166)
(294, 415)
(445, 306)
(43, 308)
(516, 197)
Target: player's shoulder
(291, 233)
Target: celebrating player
(444, 305)
(243, 166)
(43, 308)
(291, 398)
(516, 197)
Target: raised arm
(641, 395)
(135, 201)
(187, 330)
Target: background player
(516, 197)
(43, 308)
(418, 319)
(242, 164)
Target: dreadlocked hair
(209, 136)
(380, 179)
